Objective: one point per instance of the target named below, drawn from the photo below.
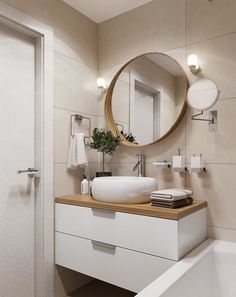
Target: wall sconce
(193, 64)
(101, 83)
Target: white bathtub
(208, 271)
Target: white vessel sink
(123, 189)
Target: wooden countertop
(139, 209)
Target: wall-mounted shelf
(162, 164)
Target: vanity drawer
(151, 235)
(121, 267)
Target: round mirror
(202, 94)
(146, 99)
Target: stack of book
(171, 198)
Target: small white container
(84, 186)
(197, 164)
(178, 163)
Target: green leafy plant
(104, 141)
(129, 137)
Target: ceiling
(101, 10)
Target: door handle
(31, 171)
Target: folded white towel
(77, 155)
(171, 194)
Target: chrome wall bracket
(212, 120)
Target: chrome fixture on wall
(79, 118)
(139, 165)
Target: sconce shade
(193, 63)
(101, 83)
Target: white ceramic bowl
(123, 189)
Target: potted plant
(105, 142)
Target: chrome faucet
(139, 165)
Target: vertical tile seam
(185, 117)
(97, 88)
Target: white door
(17, 151)
(142, 113)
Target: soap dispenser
(84, 186)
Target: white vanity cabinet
(126, 249)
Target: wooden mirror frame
(110, 121)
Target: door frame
(44, 221)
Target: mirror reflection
(149, 98)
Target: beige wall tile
(67, 182)
(107, 74)
(166, 178)
(217, 186)
(144, 29)
(35, 8)
(216, 147)
(119, 169)
(208, 19)
(217, 58)
(75, 34)
(75, 86)
(62, 134)
(222, 234)
(101, 102)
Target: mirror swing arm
(212, 120)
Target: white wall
(179, 28)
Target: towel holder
(79, 118)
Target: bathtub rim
(179, 270)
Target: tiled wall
(207, 28)
(75, 63)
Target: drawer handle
(104, 245)
(110, 214)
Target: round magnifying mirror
(202, 94)
(146, 99)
